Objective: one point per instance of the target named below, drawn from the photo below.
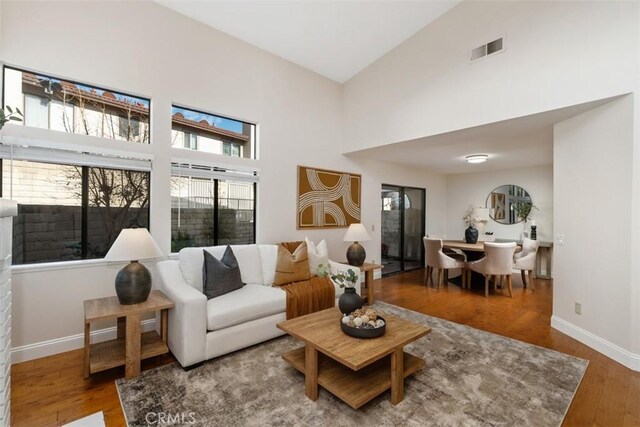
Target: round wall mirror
(509, 204)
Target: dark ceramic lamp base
(356, 254)
(133, 284)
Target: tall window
(208, 209)
(66, 106)
(71, 212)
(195, 130)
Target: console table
(131, 346)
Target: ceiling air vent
(487, 49)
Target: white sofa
(199, 329)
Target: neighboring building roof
(204, 125)
(109, 99)
(106, 97)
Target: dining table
(475, 251)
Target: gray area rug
(472, 378)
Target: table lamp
(133, 282)
(483, 217)
(356, 253)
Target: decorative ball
(357, 321)
(365, 318)
(372, 323)
(371, 313)
(379, 323)
(345, 320)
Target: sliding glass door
(403, 219)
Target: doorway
(402, 228)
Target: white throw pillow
(318, 254)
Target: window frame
(253, 140)
(85, 204)
(216, 207)
(78, 82)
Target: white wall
(557, 54)
(473, 188)
(593, 168)
(145, 49)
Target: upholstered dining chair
(436, 258)
(497, 261)
(525, 260)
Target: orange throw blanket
(308, 296)
(315, 294)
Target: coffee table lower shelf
(354, 387)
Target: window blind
(69, 157)
(186, 169)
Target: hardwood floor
(609, 394)
(52, 391)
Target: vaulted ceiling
(336, 39)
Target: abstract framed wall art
(327, 199)
(498, 205)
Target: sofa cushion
(191, 261)
(221, 276)
(248, 303)
(318, 255)
(292, 267)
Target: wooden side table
(367, 285)
(130, 346)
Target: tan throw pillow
(292, 267)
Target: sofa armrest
(188, 319)
(336, 267)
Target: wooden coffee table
(354, 370)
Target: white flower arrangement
(470, 216)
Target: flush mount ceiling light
(476, 158)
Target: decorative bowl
(363, 332)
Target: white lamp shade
(133, 244)
(356, 233)
(482, 214)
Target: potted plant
(349, 301)
(471, 218)
(523, 210)
(10, 114)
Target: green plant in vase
(345, 280)
(349, 300)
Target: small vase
(349, 301)
(471, 235)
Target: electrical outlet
(560, 239)
(578, 308)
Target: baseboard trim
(613, 351)
(71, 342)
